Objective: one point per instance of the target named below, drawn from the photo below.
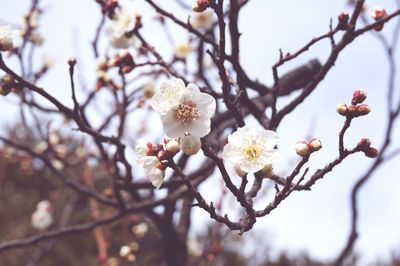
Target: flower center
(187, 113)
(252, 152)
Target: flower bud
(7, 84)
(72, 61)
(6, 41)
(200, 5)
(364, 144)
(302, 148)
(239, 171)
(342, 109)
(267, 170)
(371, 152)
(363, 109)
(315, 144)
(378, 13)
(172, 146)
(343, 20)
(358, 97)
(6, 44)
(190, 144)
(148, 90)
(4, 90)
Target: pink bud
(358, 96)
(378, 13)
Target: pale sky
(317, 221)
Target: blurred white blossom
(42, 218)
(6, 41)
(123, 21)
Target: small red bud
(371, 152)
(72, 61)
(343, 20)
(364, 144)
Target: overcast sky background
(317, 221)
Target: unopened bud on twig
(72, 61)
(172, 146)
(201, 5)
(363, 109)
(371, 152)
(302, 148)
(343, 20)
(342, 109)
(239, 171)
(190, 144)
(267, 170)
(364, 144)
(358, 96)
(378, 14)
(315, 145)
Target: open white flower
(124, 21)
(6, 41)
(251, 149)
(189, 111)
(170, 95)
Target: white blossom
(124, 251)
(170, 95)
(43, 205)
(141, 229)
(123, 21)
(184, 110)
(6, 41)
(42, 218)
(150, 164)
(142, 148)
(182, 50)
(203, 20)
(156, 177)
(251, 149)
